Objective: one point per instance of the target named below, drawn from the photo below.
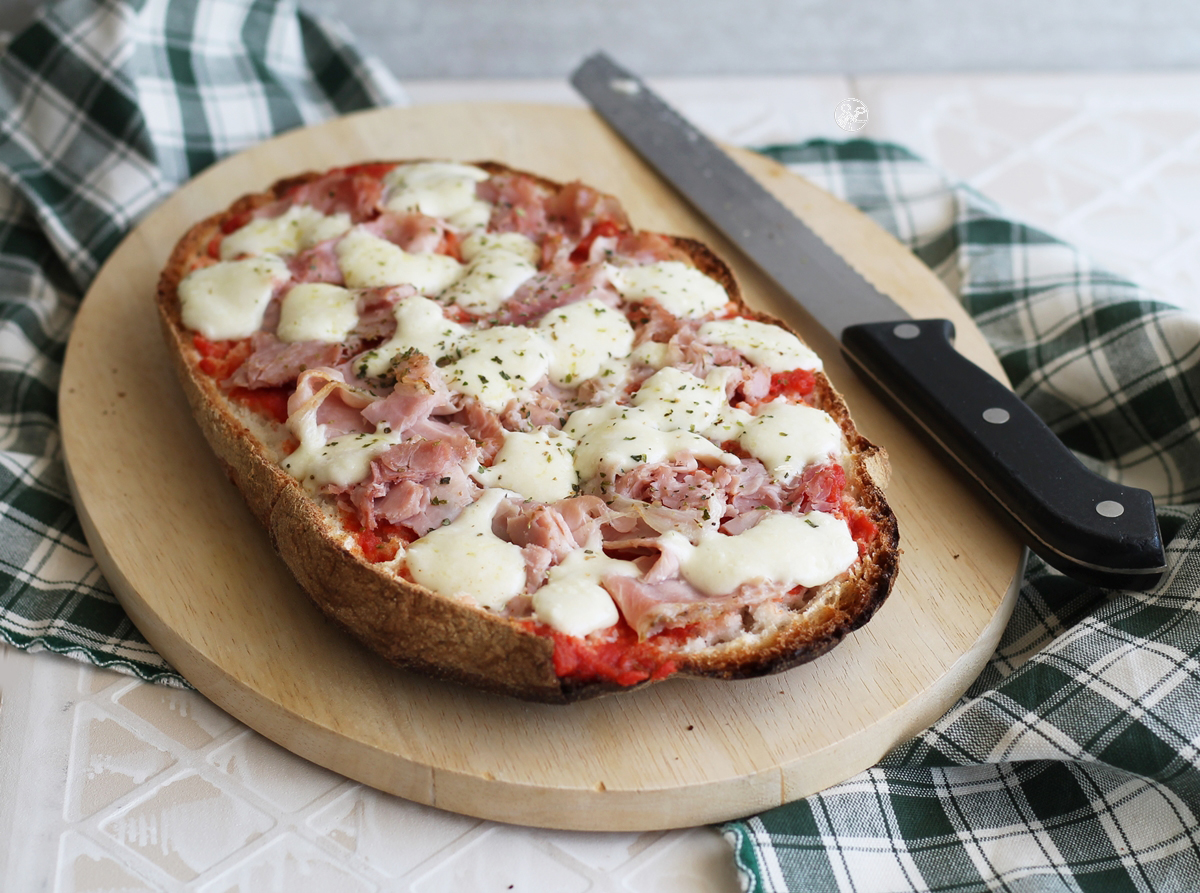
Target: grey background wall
(545, 38)
(462, 38)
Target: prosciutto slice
(272, 362)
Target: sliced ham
(680, 482)
(542, 408)
(538, 560)
(559, 220)
(648, 248)
(519, 203)
(653, 322)
(534, 524)
(413, 231)
(578, 208)
(377, 312)
(420, 392)
(450, 492)
(335, 193)
(484, 427)
(401, 501)
(425, 454)
(649, 607)
(339, 406)
(583, 516)
(699, 357)
(549, 289)
(273, 362)
(317, 264)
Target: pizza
(504, 437)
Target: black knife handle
(1079, 522)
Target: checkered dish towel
(106, 106)
(1070, 765)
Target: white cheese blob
(572, 600)
(493, 365)
(228, 299)
(436, 188)
(679, 400)
(420, 325)
(297, 228)
(475, 216)
(368, 261)
(466, 558)
(729, 424)
(651, 353)
(342, 461)
(787, 437)
(760, 343)
(317, 311)
(630, 436)
(497, 364)
(681, 289)
(583, 337)
(496, 267)
(512, 243)
(538, 465)
(796, 550)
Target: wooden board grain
(200, 580)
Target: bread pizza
(504, 437)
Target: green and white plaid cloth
(106, 106)
(1073, 762)
(1070, 765)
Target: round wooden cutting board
(199, 578)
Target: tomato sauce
(794, 385)
(624, 660)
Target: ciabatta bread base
(449, 638)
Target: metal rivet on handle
(907, 331)
(1110, 509)
(996, 415)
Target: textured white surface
(110, 784)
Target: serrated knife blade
(1079, 522)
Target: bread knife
(1081, 523)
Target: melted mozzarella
(317, 311)
(572, 600)
(539, 465)
(420, 325)
(729, 424)
(630, 436)
(679, 400)
(795, 550)
(786, 437)
(583, 337)
(493, 365)
(497, 364)
(651, 353)
(343, 461)
(513, 243)
(476, 215)
(467, 558)
(297, 228)
(227, 299)
(367, 261)
(761, 343)
(681, 289)
(436, 188)
(496, 267)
